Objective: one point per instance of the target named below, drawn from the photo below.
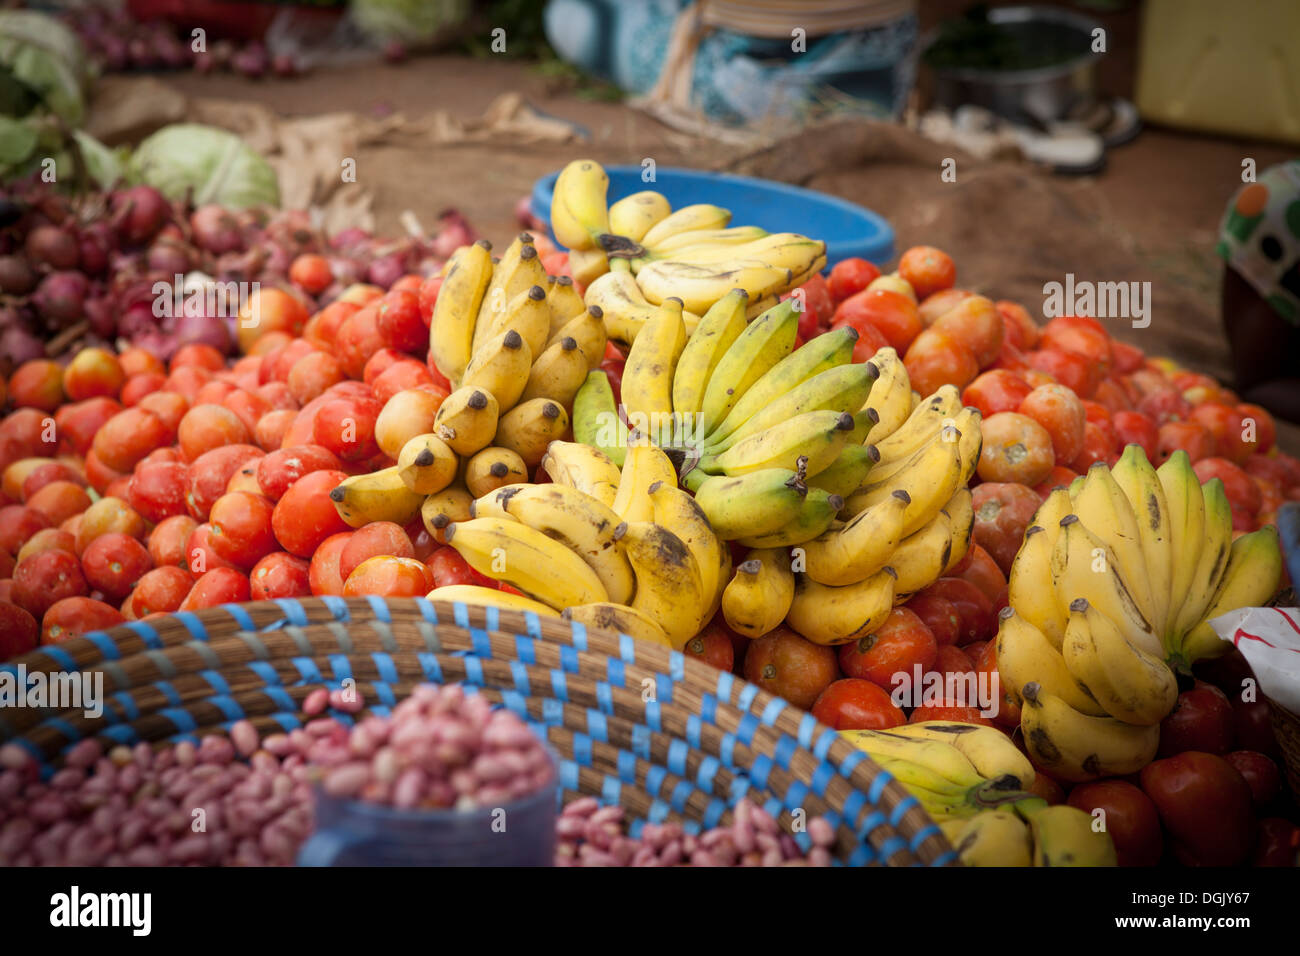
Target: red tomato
(983, 572)
(853, 704)
(311, 273)
(305, 516)
(1260, 772)
(1018, 325)
(901, 644)
(1007, 714)
(1191, 437)
(161, 591)
(713, 645)
(218, 586)
(277, 472)
(870, 339)
(1252, 724)
(1059, 411)
(978, 621)
(851, 276)
(1098, 445)
(279, 575)
(1225, 424)
(975, 323)
(1112, 396)
(210, 473)
(388, 576)
(938, 614)
(128, 436)
(1058, 478)
(399, 322)
(428, 296)
(893, 314)
(1016, 449)
(113, 563)
(1129, 817)
(448, 567)
(207, 427)
(241, 527)
(17, 524)
(158, 490)
(997, 390)
(1068, 368)
(1003, 510)
(1125, 358)
(1205, 806)
(1264, 434)
(1201, 720)
(45, 578)
(1047, 788)
(790, 666)
(936, 358)
(346, 427)
(927, 270)
(60, 500)
(168, 540)
(1240, 488)
(19, 631)
(949, 711)
(75, 616)
(1278, 843)
(1081, 335)
(323, 572)
(377, 539)
(1134, 428)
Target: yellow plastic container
(1222, 68)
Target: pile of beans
(441, 748)
(592, 835)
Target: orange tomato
(927, 269)
(1058, 410)
(892, 313)
(975, 323)
(937, 303)
(1081, 335)
(936, 358)
(1225, 424)
(1265, 429)
(996, 390)
(1018, 325)
(1016, 449)
(1068, 368)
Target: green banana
(817, 436)
(767, 340)
(819, 509)
(757, 503)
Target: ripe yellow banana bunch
(971, 780)
(638, 253)
(1111, 588)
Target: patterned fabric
(1260, 237)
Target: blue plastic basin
(847, 228)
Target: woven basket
(633, 723)
(1286, 728)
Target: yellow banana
(1130, 684)
(492, 468)
(761, 246)
(1085, 567)
(587, 328)
(518, 271)
(816, 436)
(526, 559)
(378, 496)
(1186, 503)
(921, 557)
(529, 427)
(577, 520)
(1141, 486)
(1031, 588)
(759, 594)
(562, 303)
(557, 373)
(707, 242)
(451, 328)
(827, 615)
(966, 421)
(589, 265)
(668, 585)
(1252, 577)
(467, 419)
(719, 327)
(687, 219)
(1215, 549)
(1064, 836)
(988, 749)
(760, 502)
(579, 216)
(699, 287)
(527, 314)
(645, 464)
(930, 479)
(921, 426)
(962, 514)
(1104, 510)
(1055, 506)
(1076, 747)
(489, 597)
(1025, 656)
(815, 516)
(633, 216)
(763, 343)
(620, 618)
(891, 396)
(938, 756)
(582, 467)
(648, 374)
(859, 549)
(439, 510)
(677, 511)
(501, 367)
(623, 308)
(992, 838)
(426, 464)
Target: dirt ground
(1151, 215)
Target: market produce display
(984, 551)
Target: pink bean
(120, 755)
(129, 779)
(582, 807)
(742, 834)
(819, 856)
(190, 849)
(142, 754)
(316, 702)
(821, 832)
(671, 854)
(132, 831)
(643, 856)
(244, 736)
(348, 702)
(15, 837)
(145, 856)
(49, 810)
(772, 857)
(409, 789)
(789, 847)
(10, 785)
(84, 754)
(14, 757)
(278, 744)
(703, 858)
(570, 827)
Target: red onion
(16, 276)
(347, 239)
(169, 257)
(386, 270)
(278, 258)
(61, 298)
(102, 317)
(283, 64)
(202, 329)
(454, 232)
(250, 61)
(394, 51)
(136, 320)
(216, 230)
(17, 345)
(54, 247)
(95, 242)
(140, 212)
(346, 271)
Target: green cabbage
(41, 61)
(411, 21)
(218, 166)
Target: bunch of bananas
(638, 253)
(516, 344)
(1111, 589)
(626, 550)
(971, 780)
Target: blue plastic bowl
(847, 228)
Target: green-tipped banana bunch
(1112, 587)
(625, 549)
(639, 252)
(971, 780)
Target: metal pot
(1033, 96)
